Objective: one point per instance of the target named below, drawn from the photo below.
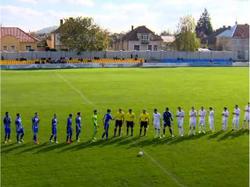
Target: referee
(130, 120)
(119, 119)
(144, 122)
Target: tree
(82, 34)
(166, 33)
(185, 38)
(204, 26)
(113, 38)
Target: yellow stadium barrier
(101, 60)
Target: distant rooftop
(132, 35)
(17, 33)
(237, 31)
(242, 31)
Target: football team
(158, 121)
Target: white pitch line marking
(169, 174)
(151, 158)
(164, 169)
(86, 100)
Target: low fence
(147, 55)
(200, 62)
(69, 66)
(116, 65)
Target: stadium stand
(70, 60)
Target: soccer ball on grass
(140, 154)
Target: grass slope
(219, 159)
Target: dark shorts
(106, 126)
(20, 131)
(144, 124)
(7, 130)
(167, 123)
(118, 123)
(130, 124)
(78, 130)
(69, 131)
(54, 131)
(35, 130)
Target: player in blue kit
(35, 124)
(7, 129)
(54, 129)
(106, 119)
(69, 129)
(167, 119)
(19, 129)
(78, 126)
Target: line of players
(129, 118)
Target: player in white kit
(247, 116)
(180, 120)
(157, 123)
(225, 115)
(211, 119)
(236, 118)
(192, 121)
(202, 115)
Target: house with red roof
(14, 39)
(235, 39)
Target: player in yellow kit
(130, 121)
(119, 119)
(144, 122)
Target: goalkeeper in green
(94, 120)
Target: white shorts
(224, 121)
(246, 117)
(192, 123)
(157, 125)
(180, 123)
(202, 121)
(211, 122)
(236, 121)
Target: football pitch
(213, 159)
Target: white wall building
(235, 39)
(139, 39)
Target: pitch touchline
(75, 89)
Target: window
(12, 47)
(155, 47)
(240, 54)
(5, 48)
(28, 47)
(150, 47)
(144, 37)
(136, 47)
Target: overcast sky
(119, 15)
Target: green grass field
(219, 159)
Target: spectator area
(70, 60)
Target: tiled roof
(228, 33)
(132, 35)
(211, 39)
(241, 31)
(18, 33)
